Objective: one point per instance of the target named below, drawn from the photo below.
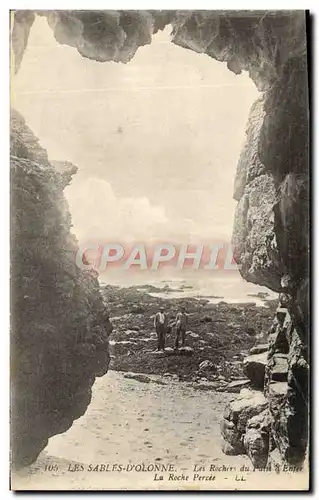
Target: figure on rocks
(160, 323)
(181, 324)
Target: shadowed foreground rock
(236, 416)
(271, 227)
(59, 337)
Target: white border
(4, 184)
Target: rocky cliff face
(60, 328)
(271, 223)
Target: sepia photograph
(159, 250)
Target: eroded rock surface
(271, 225)
(248, 404)
(254, 368)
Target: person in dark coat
(160, 323)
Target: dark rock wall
(271, 223)
(59, 337)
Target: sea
(219, 287)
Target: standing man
(160, 323)
(181, 324)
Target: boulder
(237, 414)
(244, 407)
(254, 368)
(281, 314)
(279, 368)
(132, 333)
(193, 335)
(140, 377)
(275, 461)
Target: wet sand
(130, 423)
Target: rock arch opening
(271, 223)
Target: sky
(156, 140)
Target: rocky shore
(219, 337)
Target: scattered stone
(254, 368)
(232, 437)
(279, 368)
(275, 461)
(122, 342)
(186, 351)
(278, 389)
(237, 385)
(280, 416)
(281, 314)
(245, 392)
(206, 319)
(158, 381)
(259, 349)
